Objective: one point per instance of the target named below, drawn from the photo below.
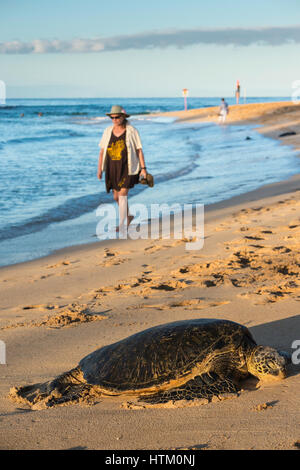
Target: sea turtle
(182, 360)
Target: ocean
(48, 180)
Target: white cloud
(272, 36)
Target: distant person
(121, 157)
(237, 92)
(223, 111)
(22, 115)
(40, 114)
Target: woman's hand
(143, 174)
(100, 164)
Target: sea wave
(158, 119)
(70, 209)
(3, 106)
(60, 134)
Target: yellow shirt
(133, 143)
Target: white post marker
(2, 93)
(185, 93)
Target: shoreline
(279, 188)
(239, 114)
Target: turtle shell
(157, 355)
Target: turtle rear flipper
(66, 388)
(205, 386)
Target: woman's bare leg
(123, 206)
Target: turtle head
(267, 363)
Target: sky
(138, 48)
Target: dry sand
(57, 309)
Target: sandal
(149, 180)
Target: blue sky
(144, 49)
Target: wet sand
(57, 309)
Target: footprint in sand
(156, 306)
(70, 316)
(158, 247)
(263, 406)
(60, 264)
(187, 304)
(108, 253)
(44, 276)
(152, 248)
(40, 306)
(171, 285)
(282, 249)
(111, 258)
(222, 227)
(31, 307)
(197, 304)
(253, 237)
(113, 261)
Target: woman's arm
(99, 172)
(142, 162)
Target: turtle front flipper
(205, 386)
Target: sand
(57, 309)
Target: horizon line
(138, 97)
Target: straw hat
(116, 109)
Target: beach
(58, 308)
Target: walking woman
(121, 157)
